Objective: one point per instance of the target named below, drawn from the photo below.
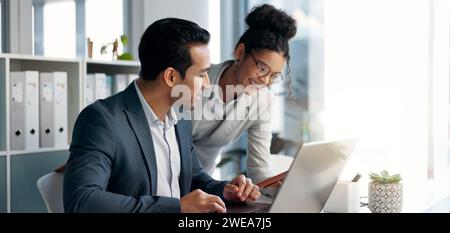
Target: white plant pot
(385, 198)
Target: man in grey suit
(131, 153)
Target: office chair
(51, 188)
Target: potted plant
(385, 193)
(115, 44)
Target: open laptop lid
(312, 176)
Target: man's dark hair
(269, 28)
(165, 43)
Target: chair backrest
(51, 188)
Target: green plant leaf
(125, 56)
(124, 39)
(385, 178)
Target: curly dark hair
(269, 28)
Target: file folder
(24, 106)
(120, 83)
(53, 109)
(108, 86)
(132, 77)
(89, 89)
(99, 86)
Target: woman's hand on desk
(241, 189)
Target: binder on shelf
(108, 86)
(132, 77)
(24, 104)
(120, 83)
(89, 89)
(53, 109)
(99, 86)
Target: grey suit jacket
(112, 164)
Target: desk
(441, 207)
(268, 200)
(280, 163)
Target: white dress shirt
(167, 152)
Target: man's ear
(239, 52)
(170, 76)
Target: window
(297, 114)
(360, 70)
(383, 84)
(61, 28)
(58, 38)
(214, 30)
(1, 27)
(104, 24)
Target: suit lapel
(139, 125)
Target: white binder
(61, 109)
(89, 89)
(24, 110)
(120, 83)
(99, 86)
(108, 86)
(53, 109)
(132, 77)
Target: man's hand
(241, 189)
(198, 201)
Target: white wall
(197, 11)
(194, 10)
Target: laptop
(311, 178)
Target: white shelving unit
(22, 168)
(111, 67)
(40, 150)
(123, 64)
(73, 67)
(3, 101)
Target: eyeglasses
(263, 70)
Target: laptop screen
(312, 176)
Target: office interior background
(373, 69)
